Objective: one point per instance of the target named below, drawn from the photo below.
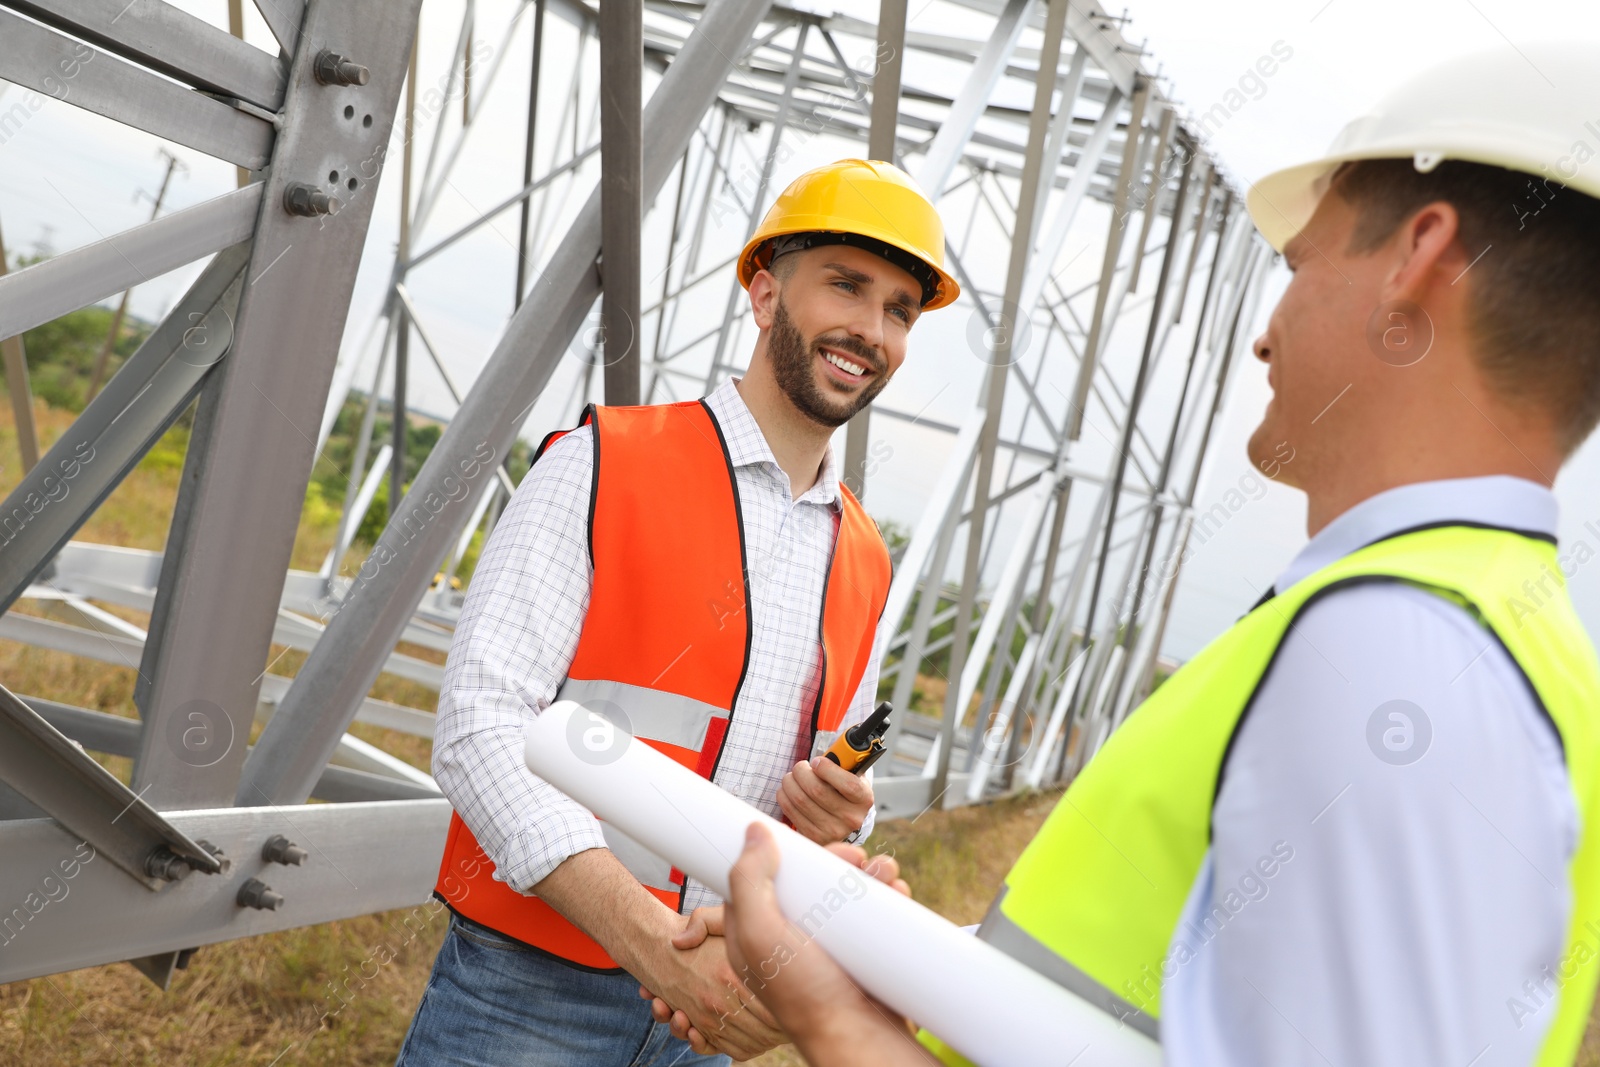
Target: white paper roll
(995, 1011)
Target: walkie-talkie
(860, 746)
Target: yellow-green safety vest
(1094, 899)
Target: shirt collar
(1494, 500)
(747, 445)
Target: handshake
(735, 975)
(727, 977)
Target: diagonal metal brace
(38, 761)
(108, 439)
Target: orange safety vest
(666, 639)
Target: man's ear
(1428, 253)
(763, 298)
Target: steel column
(880, 145)
(1142, 684)
(218, 608)
(402, 321)
(1134, 403)
(1119, 225)
(999, 362)
(1169, 454)
(621, 206)
(337, 675)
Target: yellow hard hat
(866, 203)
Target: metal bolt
(300, 198)
(280, 849)
(257, 894)
(167, 865)
(330, 68)
(216, 853)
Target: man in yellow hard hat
(699, 574)
(1362, 826)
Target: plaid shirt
(519, 632)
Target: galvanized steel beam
(40, 763)
(363, 858)
(166, 39)
(69, 70)
(51, 288)
(945, 150)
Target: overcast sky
(1347, 55)
(68, 178)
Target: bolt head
(167, 865)
(257, 894)
(331, 68)
(280, 849)
(303, 199)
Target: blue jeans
(492, 1001)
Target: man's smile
(845, 367)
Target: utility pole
(16, 362)
(173, 163)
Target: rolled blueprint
(991, 1008)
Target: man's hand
(833, 1022)
(706, 926)
(772, 949)
(693, 973)
(824, 801)
(594, 890)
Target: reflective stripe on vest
(666, 638)
(678, 725)
(1000, 931)
(649, 868)
(652, 714)
(1103, 884)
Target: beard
(792, 358)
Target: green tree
(62, 352)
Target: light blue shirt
(1397, 777)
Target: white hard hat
(1536, 110)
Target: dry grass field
(304, 996)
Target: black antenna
(872, 728)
